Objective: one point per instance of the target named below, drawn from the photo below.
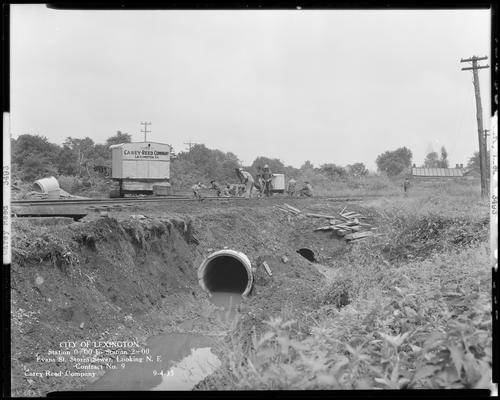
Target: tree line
(34, 157)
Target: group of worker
(262, 184)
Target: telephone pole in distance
(190, 145)
(479, 117)
(145, 131)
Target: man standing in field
(246, 179)
(267, 177)
(406, 186)
(215, 186)
(197, 190)
(291, 187)
(258, 180)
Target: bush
(70, 184)
(424, 325)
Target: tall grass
(424, 325)
(420, 321)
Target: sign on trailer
(141, 161)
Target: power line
(479, 117)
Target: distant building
(441, 173)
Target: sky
(329, 86)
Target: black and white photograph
(239, 199)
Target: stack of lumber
(347, 225)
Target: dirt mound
(88, 280)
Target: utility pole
(485, 143)
(479, 117)
(145, 131)
(190, 145)
(485, 152)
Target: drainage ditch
(308, 254)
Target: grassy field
(409, 309)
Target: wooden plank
(320, 216)
(351, 223)
(292, 208)
(357, 216)
(363, 224)
(268, 270)
(359, 235)
(324, 228)
(288, 210)
(358, 239)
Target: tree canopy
(474, 163)
(394, 162)
(432, 160)
(119, 138)
(275, 165)
(357, 169)
(33, 157)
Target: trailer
(140, 167)
(278, 183)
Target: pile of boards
(347, 224)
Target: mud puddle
(177, 361)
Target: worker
(406, 186)
(291, 187)
(231, 189)
(258, 179)
(215, 186)
(306, 190)
(267, 178)
(197, 190)
(225, 191)
(241, 190)
(246, 179)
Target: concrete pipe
(226, 271)
(49, 185)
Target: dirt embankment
(127, 277)
(130, 277)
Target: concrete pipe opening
(308, 254)
(226, 271)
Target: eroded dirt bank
(130, 277)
